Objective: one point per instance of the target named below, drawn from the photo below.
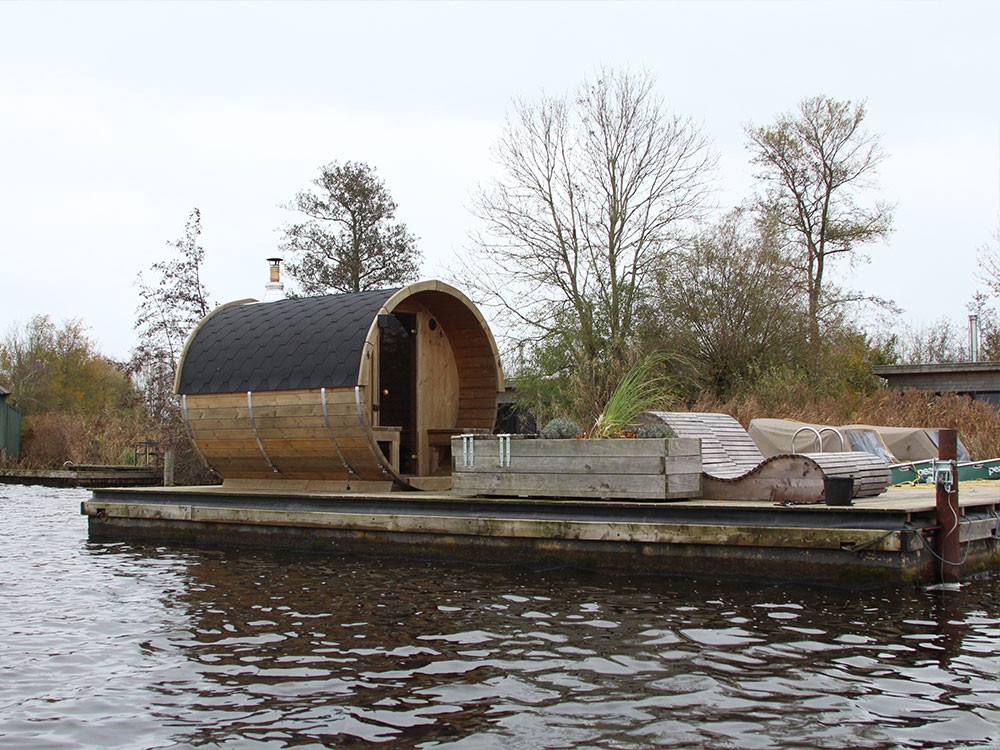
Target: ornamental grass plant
(645, 387)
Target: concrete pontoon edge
(881, 541)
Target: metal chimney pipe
(274, 289)
(974, 338)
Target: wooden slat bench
(735, 469)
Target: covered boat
(910, 451)
(895, 444)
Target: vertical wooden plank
(437, 383)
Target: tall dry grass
(49, 440)
(977, 422)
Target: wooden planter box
(619, 469)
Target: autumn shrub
(50, 440)
(555, 387)
(592, 384)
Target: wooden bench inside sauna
(348, 391)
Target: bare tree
(940, 341)
(814, 165)
(169, 309)
(349, 241)
(989, 263)
(987, 322)
(592, 196)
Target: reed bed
(49, 440)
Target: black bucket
(838, 490)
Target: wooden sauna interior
(344, 391)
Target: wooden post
(168, 468)
(947, 509)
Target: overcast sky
(116, 119)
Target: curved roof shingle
(307, 342)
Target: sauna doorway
(397, 377)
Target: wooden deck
(877, 541)
(86, 476)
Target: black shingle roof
(309, 342)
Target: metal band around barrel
(329, 429)
(260, 445)
(190, 432)
(364, 428)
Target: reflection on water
(144, 646)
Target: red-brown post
(947, 508)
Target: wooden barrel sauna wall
(352, 388)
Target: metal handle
(818, 439)
(504, 443)
(468, 450)
(836, 432)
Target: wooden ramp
(734, 469)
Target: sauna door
(397, 376)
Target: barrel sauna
(344, 391)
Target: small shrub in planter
(560, 428)
(656, 430)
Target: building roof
(978, 379)
(4, 393)
(937, 368)
(306, 342)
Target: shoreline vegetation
(79, 406)
(599, 248)
(50, 439)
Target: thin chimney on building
(274, 290)
(974, 338)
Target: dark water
(146, 646)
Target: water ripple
(151, 646)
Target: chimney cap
(274, 289)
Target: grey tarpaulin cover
(901, 444)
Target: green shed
(10, 427)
